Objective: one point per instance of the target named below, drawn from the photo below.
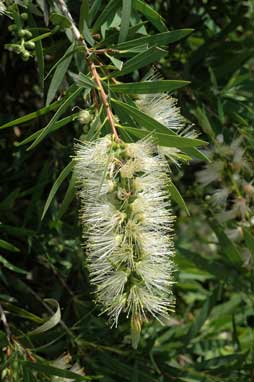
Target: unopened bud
(25, 55)
(85, 117)
(136, 325)
(24, 16)
(30, 45)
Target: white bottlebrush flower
(125, 212)
(163, 108)
(219, 197)
(2, 8)
(211, 173)
(64, 362)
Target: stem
(92, 67)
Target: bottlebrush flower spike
(163, 108)
(127, 225)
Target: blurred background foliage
(53, 330)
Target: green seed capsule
(25, 33)
(24, 16)
(30, 45)
(26, 56)
(12, 27)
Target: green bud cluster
(22, 36)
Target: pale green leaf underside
(148, 87)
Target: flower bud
(30, 45)
(12, 27)
(85, 117)
(136, 325)
(25, 55)
(25, 33)
(24, 16)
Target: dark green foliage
(42, 265)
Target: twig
(5, 323)
(92, 68)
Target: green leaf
(249, 240)
(160, 39)
(56, 126)
(8, 246)
(76, 49)
(85, 81)
(59, 74)
(140, 60)
(166, 140)
(60, 20)
(51, 322)
(12, 267)
(148, 87)
(150, 14)
(177, 197)
(84, 13)
(151, 124)
(23, 313)
(107, 13)
(69, 196)
(67, 102)
(83, 22)
(35, 114)
(202, 316)
(125, 19)
(227, 247)
(64, 173)
(40, 60)
(204, 122)
(94, 9)
(54, 371)
(117, 63)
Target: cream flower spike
(127, 226)
(163, 108)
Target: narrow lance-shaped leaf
(83, 22)
(151, 124)
(108, 11)
(56, 126)
(150, 14)
(31, 116)
(115, 61)
(85, 80)
(11, 267)
(69, 196)
(202, 316)
(51, 322)
(64, 173)
(177, 197)
(227, 247)
(148, 57)
(166, 140)
(60, 111)
(59, 74)
(148, 87)
(125, 19)
(8, 246)
(159, 39)
(54, 371)
(76, 49)
(249, 240)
